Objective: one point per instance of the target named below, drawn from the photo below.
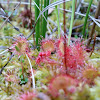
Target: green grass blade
(86, 18)
(37, 31)
(44, 22)
(41, 17)
(47, 10)
(56, 7)
(44, 25)
(72, 19)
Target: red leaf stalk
(64, 22)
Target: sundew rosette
(27, 96)
(62, 82)
(75, 53)
(20, 46)
(48, 45)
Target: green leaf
(26, 79)
(17, 49)
(76, 36)
(22, 82)
(86, 18)
(20, 70)
(21, 77)
(23, 61)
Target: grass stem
(56, 7)
(44, 25)
(72, 19)
(94, 24)
(37, 30)
(86, 18)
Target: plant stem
(64, 22)
(44, 22)
(93, 27)
(72, 19)
(6, 63)
(33, 79)
(37, 31)
(41, 16)
(44, 26)
(31, 18)
(86, 18)
(26, 6)
(4, 51)
(93, 45)
(57, 20)
(22, 69)
(47, 10)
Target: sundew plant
(49, 49)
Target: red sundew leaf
(44, 57)
(38, 59)
(90, 73)
(27, 96)
(75, 55)
(11, 77)
(21, 46)
(61, 82)
(49, 61)
(48, 45)
(60, 47)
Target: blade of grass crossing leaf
(56, 7)
(50, 6)
(37, 31)
(41, 16)
(86, 18)
(72, 19)
(44, 22)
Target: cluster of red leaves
(75, 56)
(27, 96)
(60, 47)
(64, 82)
(44, 57)
(20, 46)
(11, 77)
(75, 53)
(47, 46)
(75, 59)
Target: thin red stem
(31, 15)
(64, 22)
(93, 44)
